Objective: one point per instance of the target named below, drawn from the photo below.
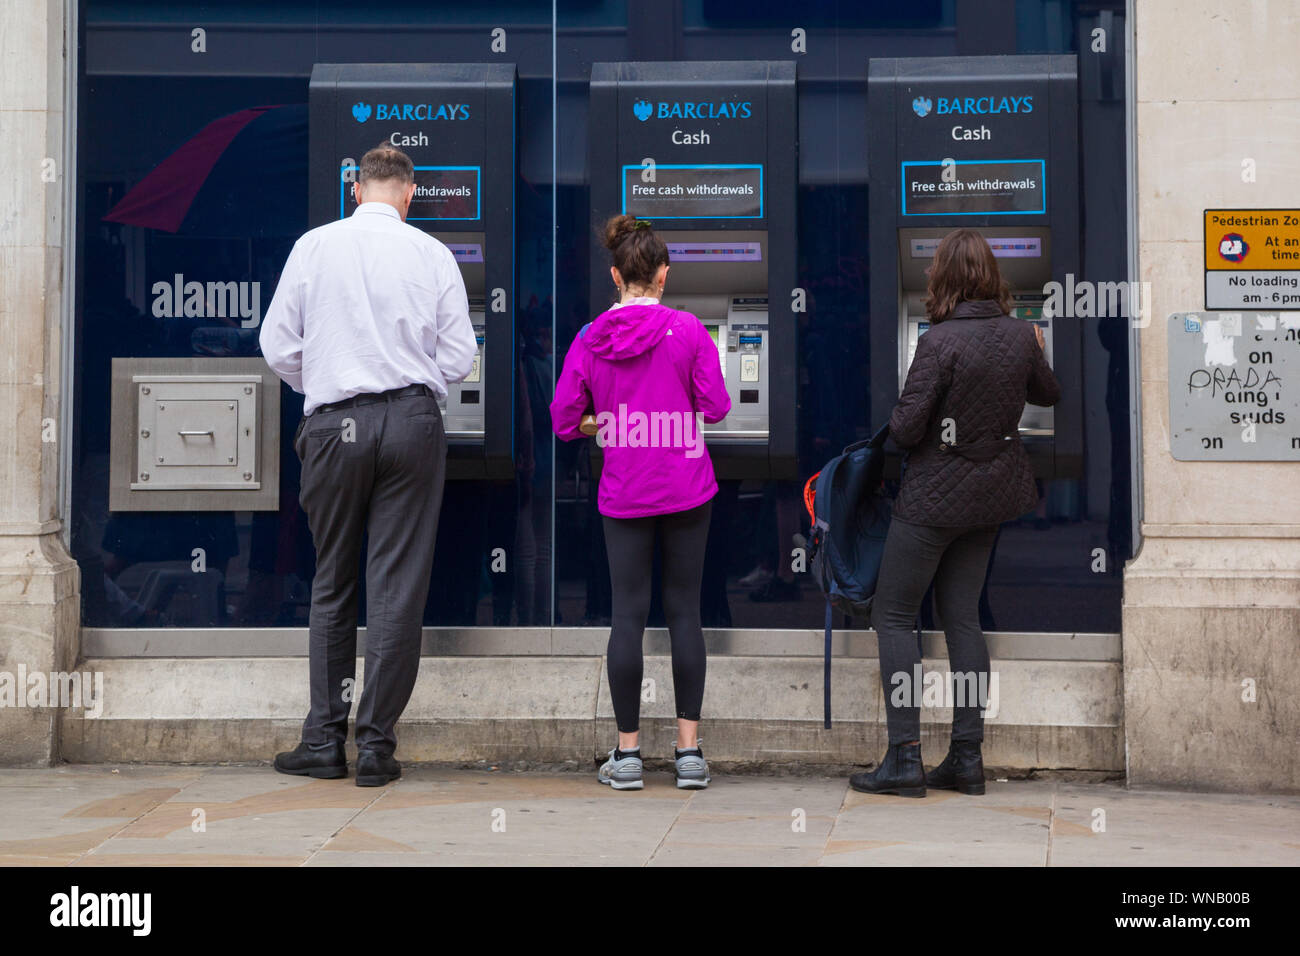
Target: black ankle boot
(900, 772)
(961, 770)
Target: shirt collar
(380, 207)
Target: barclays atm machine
(457, 123)
(709, 153)
(991, 144)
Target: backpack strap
(875, 441)
(826, 678)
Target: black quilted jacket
(978, 368)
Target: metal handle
(208, 433)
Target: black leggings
(630, 543)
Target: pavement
(436, 816)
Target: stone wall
(39, 582)
(1212, 601)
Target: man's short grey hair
(386, 163)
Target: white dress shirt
(368, 304)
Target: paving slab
(1117, 827)
(52, 817)
(93, 816)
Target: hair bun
(619, 228)
(637, 251)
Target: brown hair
(637, 251)
(386, 162)
(964, 270)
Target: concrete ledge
(250, 740)
(759, 712)
(578, 642)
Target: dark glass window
(144, 92)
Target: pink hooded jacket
(646, 370)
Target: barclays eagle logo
(921, 105)
(361, 112)
(642, 109)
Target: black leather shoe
(375, 770)
(900, 772)
(324, 763)
(962, 770)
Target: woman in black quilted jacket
(965, 473)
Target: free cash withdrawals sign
(974, 187)
(705, 191)
(1252, 259)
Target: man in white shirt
(370, 322)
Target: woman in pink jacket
(643, 378)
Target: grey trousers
(375, 469)
(956, 560)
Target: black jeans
(630, 543)
(956, 559)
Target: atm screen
(466, 251)
(1004, 247)
(715, 252)
(916, 329)
(720, 343)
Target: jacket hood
(627, 331)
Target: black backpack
(849, 512)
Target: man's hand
(1038, 334)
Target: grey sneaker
(623, 773)
(692, 768)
